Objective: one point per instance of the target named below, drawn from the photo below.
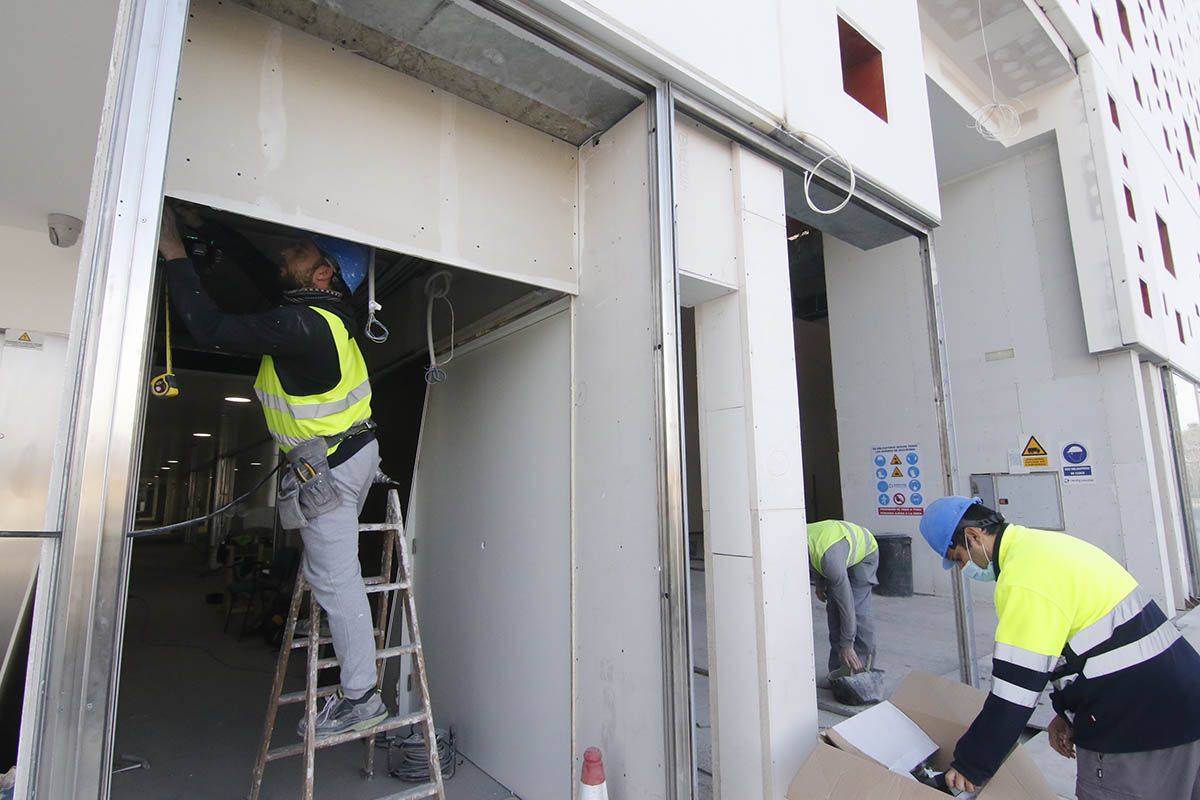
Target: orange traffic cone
(591, 782)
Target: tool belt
(307, 489)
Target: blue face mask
(974, 572)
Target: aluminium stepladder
(388, 586)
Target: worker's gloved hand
(850, 658)
(822, 593)
(956, 781)
(189, 214)
(1062, 737)
(170, 243)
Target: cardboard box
(943, 709)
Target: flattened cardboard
(943, 709)
(886, 735)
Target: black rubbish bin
(895, 565)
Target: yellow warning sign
(24, 337)
(896, 461)
(1033, 448)
(1034, 456)
(896, 473)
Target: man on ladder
(316, 397)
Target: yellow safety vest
(824, 535)
(292, 419)
(1056, 590)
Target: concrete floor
(915, 634)
(193, 699)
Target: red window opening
(862, 70)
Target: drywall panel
(759, 627)
(491, 517)
(31, 381)
(897, 153)
(275, 124)
(883, 380)
(705, 222)
(39, 281)
(618, 614)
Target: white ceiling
(1023, 56)
(958, 148)
(54, 57)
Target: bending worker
(845, 559)
(313, 385)
(1126, 684)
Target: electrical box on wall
(1033, 500)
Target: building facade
(745, 257)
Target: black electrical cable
(187, 523)
(411, 763)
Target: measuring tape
(165, 385)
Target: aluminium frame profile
(70, 700)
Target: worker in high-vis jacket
(1126, 684)
(844, 559)
(315, 392)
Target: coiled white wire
(375, 330)
(994, 121)
(437, 287)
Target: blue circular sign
(881, 473)
(880, 461)
(914, 486)
(912, 458)
(882, 486)
(914, 472)
(1075, 453)
(916, 499)
(884, 500)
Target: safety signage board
(15, 337)
(898, 487)
(1076, 463)
(1033, 455)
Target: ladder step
(302, 641)
(373, 585)
(390, 724)
(424, 790)
(390, 652)
(298, 697)
(372, 588)
(364, 527)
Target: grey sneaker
(339, 715)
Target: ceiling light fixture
(172, 461)
(256, 463)
(202, 435)
(236, 399)
(164, 467)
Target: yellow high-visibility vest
(824, 535)
(292, 419)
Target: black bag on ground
(858, 689)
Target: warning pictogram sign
(1033, 455)
(896, 460)
(24, 337)
(20, 338)
(896, 473)
(894, 486)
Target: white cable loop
(375, 330)
(435, 372)
(994, 121)
(833, 154)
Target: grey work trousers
(1172, 773)
(862, 579)
(331, 566)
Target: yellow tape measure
(165, 385)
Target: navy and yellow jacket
(1123, 674)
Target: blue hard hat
(348, 258)
(940, 521)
